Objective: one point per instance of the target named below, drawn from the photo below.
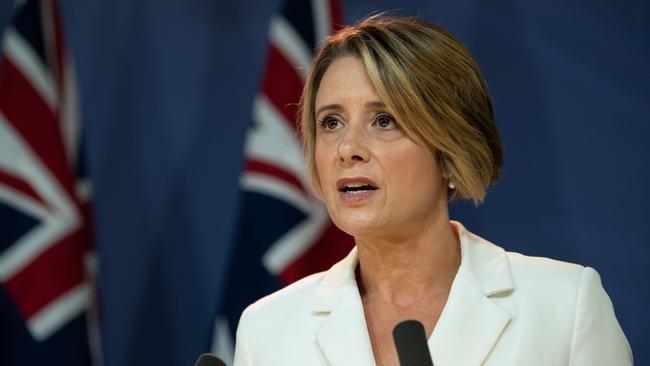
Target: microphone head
(208, 359)
(411, 344)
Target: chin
(356, 225)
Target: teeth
(354, 185)
(357, 187)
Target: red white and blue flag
(45, 248)
(284, 231)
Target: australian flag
(45, 251)
(284, 232)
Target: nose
(353, 147)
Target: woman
(396, 120)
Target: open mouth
(356, 188)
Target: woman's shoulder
(558, 286)
(269, 328)
(491, 267)
(488, 260)
(303, 295)
(542, 270)
(555, 293)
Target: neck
(401, 270)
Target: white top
(503, 309)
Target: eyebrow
(338, 107)
(328, 107)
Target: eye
(330, 123)
(385, 121)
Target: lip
(358, 197)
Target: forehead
(345, 80)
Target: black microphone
(208, 359)
(411, 344)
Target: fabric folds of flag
(45, 247)
(284, 232)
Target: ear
(443, 165)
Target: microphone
(208, 359)
(411, 344)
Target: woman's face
(374, 180)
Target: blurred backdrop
(168, 92)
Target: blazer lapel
(471, 322)
(343, 336)
(468, 327)
(466, 332)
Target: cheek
(319, 159)
(414, 166)
(322, 157)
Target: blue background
(167, 89)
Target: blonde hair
(433, 87)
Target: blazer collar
(471, 322)
(469, 325)
(484, 263)
(343, 336)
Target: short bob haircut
(432, 86)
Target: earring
(450, 184)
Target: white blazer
(503, 309)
